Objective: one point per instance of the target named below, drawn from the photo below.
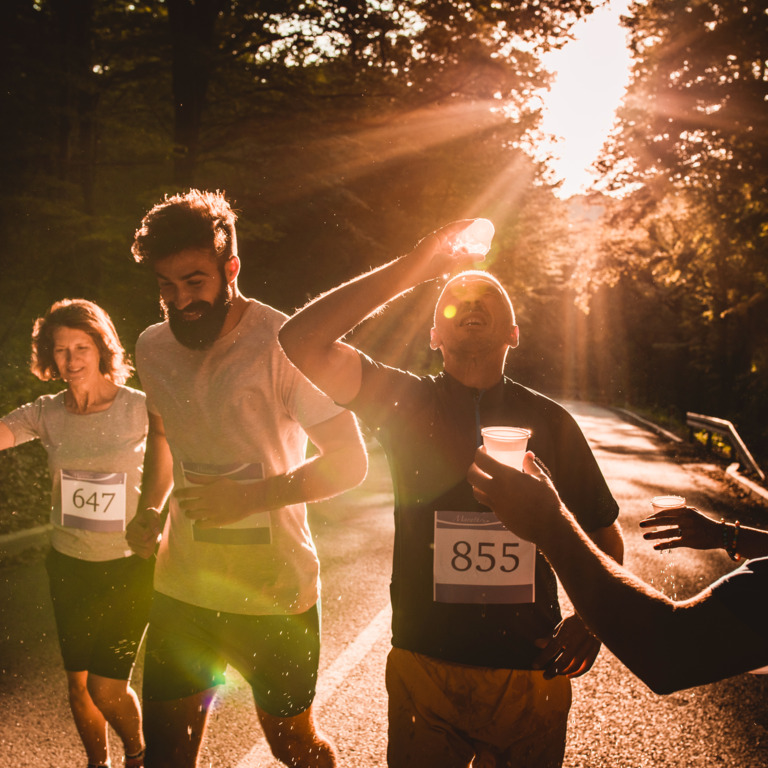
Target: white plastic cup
(660, 503)
(506, 444)
(476, 238)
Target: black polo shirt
(429, 428)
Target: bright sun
(591, 74)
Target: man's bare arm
(143, 531)
(312, 337)
(7, 439)
(609, 539)
(669, 645)
(340, 463)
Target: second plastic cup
(660, 503)
(506, 444)
(476, 238)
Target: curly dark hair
(85, 316)
(196, 219)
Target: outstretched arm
(572, 649)
(312, 337)
(7, 439)
(687, 527)
(669, 645)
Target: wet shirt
(429, 428)
(238, 409)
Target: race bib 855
(478, 560)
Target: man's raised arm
(312, 337)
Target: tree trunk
(76, 154)
(192, 26)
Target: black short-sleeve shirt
(744, 591)
(429, 428)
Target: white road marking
(327, 685)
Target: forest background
(345, 130)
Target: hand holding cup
(681, 526)
(526, 502)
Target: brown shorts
(444, 715)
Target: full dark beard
(200, 333)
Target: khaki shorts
(444, 715)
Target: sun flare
(591, 75)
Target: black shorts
(188, 649)
(101, 611)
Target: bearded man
(237, 575)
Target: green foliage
(343, 131)
(690, 243)
(714, 442)
(25, 488)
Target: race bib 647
(93, 501)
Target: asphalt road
(616, 722)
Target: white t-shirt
(238, 408)
(95, 461)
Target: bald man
(481, 660)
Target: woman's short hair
(86, 316)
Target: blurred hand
(218, 502)
(685, 527)
(571, 651)
(143, 532)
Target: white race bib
(254, 529)
(93, 501)
(478, 560)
